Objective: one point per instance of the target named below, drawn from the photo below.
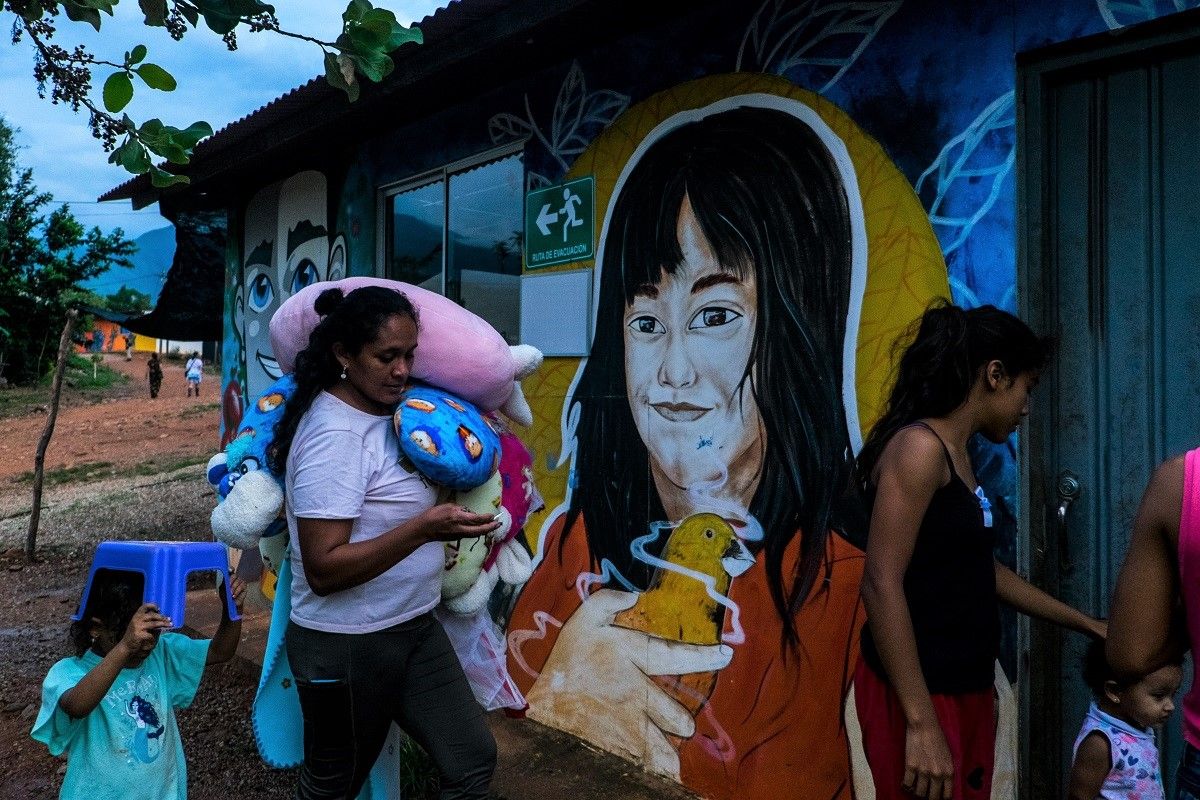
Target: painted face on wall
(688, 341)
(288, 248)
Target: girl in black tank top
(932, 586)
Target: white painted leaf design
(969, 173)
(813, 42)
(577, 118)
(503, 127)
(600, 108)
(568, 109)
(1119, 13)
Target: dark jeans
(1187, 779)
(353, 686)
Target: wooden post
(39, 460)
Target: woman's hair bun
(327, 301)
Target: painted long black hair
(114, 598)
(941, 363)
(771, 202)
(353, 320)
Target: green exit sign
(560, 223)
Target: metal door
(1110, 264)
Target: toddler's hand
(142, 633)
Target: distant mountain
(155, 250)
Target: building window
(457, 231)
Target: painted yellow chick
(679, 607)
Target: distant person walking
(194, 369)
(129, 347)
(154, 374)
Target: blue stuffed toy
(250, 492)
(446, 438)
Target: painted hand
(596, 683)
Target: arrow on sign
(545, 219)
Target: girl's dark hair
(942, 362)
(113, 599)
(770, 201)
(353, 320)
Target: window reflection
(415, 236)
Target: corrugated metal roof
(441, 26)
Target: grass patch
(84, 374)
(92, 470)
(21, 400)
(78, 381)
(198, 411)
(101, 470)
(419, 777)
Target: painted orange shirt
(773, 726)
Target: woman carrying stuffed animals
(367, 555)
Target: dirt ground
(151, 486)
(126, 429)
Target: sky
(215, 85)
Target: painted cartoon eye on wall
(261, 292)
(306, 274)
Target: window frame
(384, 192)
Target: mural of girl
(731, 272)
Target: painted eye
(306, 274)
(647, 325)
(708, 533)
(713, 317)
(249, 464)
(261, 293)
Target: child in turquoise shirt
(111, 708)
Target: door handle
(1069, 489)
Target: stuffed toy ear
(526, 360)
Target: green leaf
(373, 66)
(161, 179)
(132, 156)
(355, 10)
(402, 35)
(222, 16)
(118, 91)
(156, 77)
(155, 11)
(337, 79)
(137, 55)
(191, 14)
(192, 134)
(78, 13)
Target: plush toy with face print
(451, 443)
(250, 493)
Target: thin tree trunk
(39, 460)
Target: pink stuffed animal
(456, 350)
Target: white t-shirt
(345, 464)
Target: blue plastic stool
(165, 566)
